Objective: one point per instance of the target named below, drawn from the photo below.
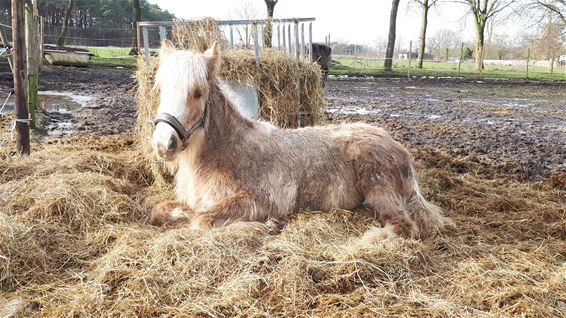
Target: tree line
(483, 13)
(92, 13)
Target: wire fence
(354, 63)
(405, 64)
(93, 36)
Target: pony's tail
(427, 216)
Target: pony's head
(183, 78)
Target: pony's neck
(225, 125)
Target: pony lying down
(229, 169)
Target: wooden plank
(20, 95)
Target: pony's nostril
(172, 144)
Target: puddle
(517, 105)
(353, 110)
(60, 105)
(52, 101)
(502, 103)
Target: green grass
(114, 61)
(110, 56)
(348, 66)
(109, 51)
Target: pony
(230, 169)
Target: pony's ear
(212, 55)
(167, 47)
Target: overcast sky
(352, 21)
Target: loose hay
(277, 77)
(74, 242)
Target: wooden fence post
(528, 60)
(31, 58)
(461, 57)
(20, 95)
(41, 40)
(410, 57)
(552, 67)
(138, 34)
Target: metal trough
(246, 98)
(66, 58)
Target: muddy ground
(518, 127)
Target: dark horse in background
(321, 54)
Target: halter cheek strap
(178, 127)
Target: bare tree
(482, 11)
(388, 64)
(550, 40)
(246, 12)
(380, 46)
(270, 4)
(557, 7)
(443, 43)
(64, 30)
(500, 47)
(425, 6)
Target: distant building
(414, 55)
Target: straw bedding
(73, 242)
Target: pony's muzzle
(165, 144)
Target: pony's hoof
(378, 234)
(202, 221)
(169, 213)
(158, 217)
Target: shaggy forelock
(183, 69)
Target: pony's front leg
(236, 208)
(170, 212)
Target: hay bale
(277, 77)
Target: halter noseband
(178, 127)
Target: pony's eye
(198, 94)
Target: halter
(178, 127)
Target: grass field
(113, 56)
(350, 66)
